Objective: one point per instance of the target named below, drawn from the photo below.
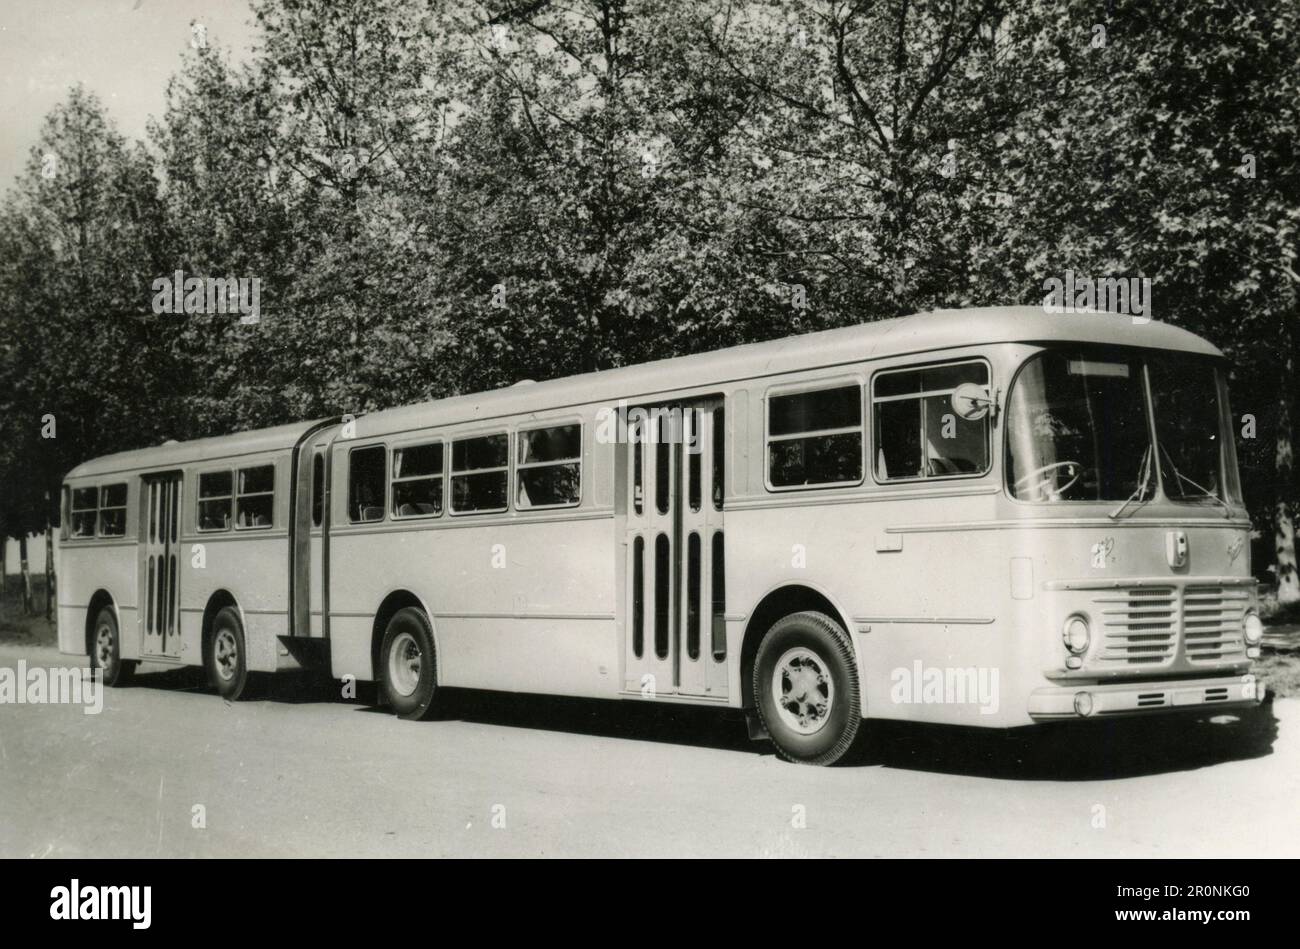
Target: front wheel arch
(779, 602)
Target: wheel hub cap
(226, 653)
(404, 660)
(802, 690)
(104, 649)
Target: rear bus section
(199, 553)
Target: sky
(122, 50)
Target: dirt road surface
(170, 769)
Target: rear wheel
(106, 650)
(806, 688)
(227, 659)
(407, 664)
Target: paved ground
(299, 772)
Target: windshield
(1077, 428)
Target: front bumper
(1142, 698)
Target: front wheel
(806, 688)
(106, 651)
(407, 664)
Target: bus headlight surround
(1253, 627)
(1077, 634)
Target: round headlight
(1076, 634)
(1254, 629)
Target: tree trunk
(1288, 579)
(26, 573)
(49, 569)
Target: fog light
(1076, 634)
(1083, 703)
(1254, 629)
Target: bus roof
(170, 454)
(920, 333)
(923, 332)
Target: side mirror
(971, 401)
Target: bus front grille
(1143, 625)
(1139, 626)
(1213, 617)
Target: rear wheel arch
(101, 598)
(104, 641)
(218, 601)
(393, 602)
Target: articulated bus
(992, 517)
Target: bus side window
(480, 468)
(815, 438)
(917, 433)
(85, 504)
(417, 480)
(216, 500)
(549, 468)
(317, 489)
(719, 461)
(255, 505)
(366, 473)
(112, 510)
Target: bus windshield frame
(1088, 424)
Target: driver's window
(918, 434)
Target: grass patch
(16, 626)
(1280, 667)
(1274, 613)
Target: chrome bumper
(1139, 698)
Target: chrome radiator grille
(1213, 617)
(1138, 626)
(1143, 625)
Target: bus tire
(806, 688)
(106, 650)
(227, 658)
(408, 664)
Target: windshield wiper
(1144, 480)
(1205, 492)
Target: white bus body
(988, 517)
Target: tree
(76, 254)
(1160, 142)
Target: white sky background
(124, 51)
(35, 557)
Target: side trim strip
(1057, 523)
(524, 615)
(934, 620)
(860, 497)
(1170, 581)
